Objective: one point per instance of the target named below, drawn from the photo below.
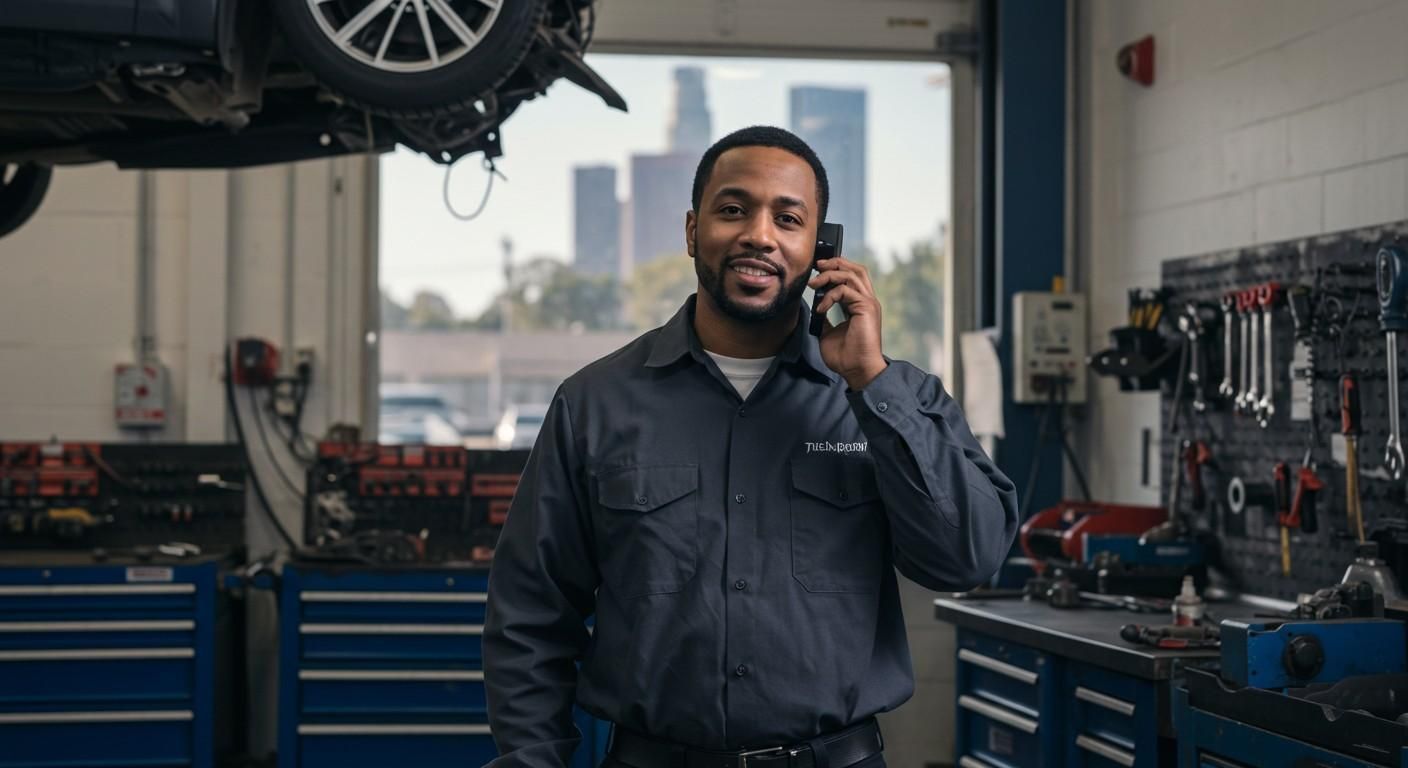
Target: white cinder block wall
(227, 245)
(1268, 120)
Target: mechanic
(730, 499)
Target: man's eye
(789, 218)
(731, 210)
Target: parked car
(425, 428)
(520, 425)
(230, 83)
(401, 402)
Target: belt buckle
(770, 751)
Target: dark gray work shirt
(739, 556)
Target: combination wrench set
(1283, 417)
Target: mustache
(755, 256)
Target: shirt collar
(677, 339)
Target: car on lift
(232, 83)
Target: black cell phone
(828, 246)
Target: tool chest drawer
(1001, 671)
(1113, 719)
(145, 738)
(382, 744)
(341, 691)
(108, 664)
(1008, 713)
(377, 664)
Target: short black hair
(762, 136)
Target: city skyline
(833, 122)
(424, 248)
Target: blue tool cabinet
(384, 666)
(1019, 706)
(111, 664)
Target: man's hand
(851, 348)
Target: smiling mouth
(751, 271)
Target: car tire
(396, 85)
(22, 189)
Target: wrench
(1192, 328)
(1244, 321)
(1266, 297)
(1392, 284)
(1226, 388)
(1253, 404)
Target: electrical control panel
(1048, 347)
(409, 503)
(140, 396)
(122, 498)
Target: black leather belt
(843, 748)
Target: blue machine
(1298, 692)
(110, 664)
(1128, 550)
(384, 666)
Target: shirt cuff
(886, 403)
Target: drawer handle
(390, 674)
(393, 597)
(96, 626)
(1108, 702)
(391, 629)
(99, 654)
(408, 729)
(994, 712)
(972, 762)
(1000, 667)
(1108, 751)
(50, 590)
(49, 718)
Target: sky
(424, 247)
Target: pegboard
(1246, 549)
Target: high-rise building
(596, 221)
(660, 189)
(832, 121)
(691, 127)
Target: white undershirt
(742, 372)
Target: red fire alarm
(256, 362)
(1136, 61)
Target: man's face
(753, 237)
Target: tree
(429, 311)
(911, 295)
(545, 294)
(657, 289)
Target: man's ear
(691, 223)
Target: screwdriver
(1349, 426)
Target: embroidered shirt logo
(830, 447)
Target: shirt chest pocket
(839, 532)
(647, 521)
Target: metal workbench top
(1089, 635)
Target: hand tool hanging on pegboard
(1393, 317)
(1267, 297)
(1227, 390)
(1349, 426)
(1245, 392)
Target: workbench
(1041, 686)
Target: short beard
(713, 282)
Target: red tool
(1349, 426)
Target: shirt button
(841, 495)
(641, 500)
(742, 411)
(882, 407)
(740, 498)
(741, 670)
(740, 585)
